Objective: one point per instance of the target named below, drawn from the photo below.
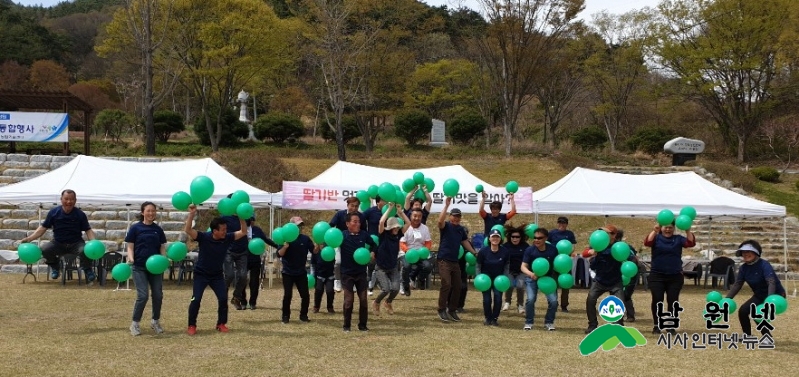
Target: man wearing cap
(339, 221)
(452, 236)
(372, 217)
(760, 276)
(236, 261)
(495, 218)
(386, 258)
(293, 256)
(353, 275)
(607, 279)
(539, 249)
(416, 237)
(555, 236)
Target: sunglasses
(540, 238)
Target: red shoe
(222, 328)
(192, 330)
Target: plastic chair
(106, 264)
(69, 264)
(643, 273)
(721, 268)
(186, 270)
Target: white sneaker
(505, 306)
(369, 293)
(337, 285)
(155, 325)
(520, 308)
(528, 327)
(135, 330)
(402, 291)
(549, 326)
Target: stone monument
(438, 133)
(683, 149)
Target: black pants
(236, 274)
(324, 285)
(629, 307)
(52, 250)
(301, 282)
(360, 283)
(597, 290)
(464, 283)
(668, 284)
(217, 284)
(254, 282)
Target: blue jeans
(492, 313)
(143, 280)
(529, 306)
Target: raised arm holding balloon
(495, 217)
(412, 202)
(146, 239)
(452, 236)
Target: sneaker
(412, 285)
(505, 306)
(337, 285)
(156, 326)
(630, 319)
(252, 306)
(461, 310)
(222, 328)
(54, 274)
(402, 291)
(90, 276)
(346, 329)
(376, 308)
(389, 308)
(655, 330)
(495, 323)
(192, 330)
(304, 319)
(285, 320)
(486, 323)
(331, 311)
(590, 329)
(135, 330)
(237, 303)
(520, 308)
(565, 310)
(549, 326)
(363, 328)
(528, 326)
(454, 316)
(316, 309)
(442, 314)
(369, 293)
(672, 331)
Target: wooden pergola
(63, 101)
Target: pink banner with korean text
(323, 196)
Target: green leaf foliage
(766, 174)
(466, 127)
(650, 140)
(348, 125)
(591, 137)
(279, 127)
(166, 123)
(232, 129)
(413, 125)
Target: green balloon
(387, 192)
(121, 272)
(201, 189)
(485, 241)
(512, 187)
(566, 281)
(424, 253)
(530, 229)
(502, 283)
(363, 196)
(629, 269)
(420, 195)
(372, 191)
(277, 236)
(227, 206)
(451, 187)
(362, 256)
(29, 253)
(177, 251)
(547, 285)
(157, 264)
(290, 232)
(257, 246)
(564, 247)
(311, 281)
(730, 304)
(470, 258)
(408, 185)
(683, 222)
(364, 206)
(482, 282)
(470, 270)
(328, 254)
(429, 183)
(689, 211)
(94, 250)
(540, 266)
(713, 296)
(319, 230)
(392, 210)
(240, 196)
(181, 200)
(334, 237)
(599, 240)
(665, 217)
(244, 210)
(478, 188)
(412, 256)
(562, 263)
(780, 303)
(401, 222)
(460, 252)
(620, 251)
(418, 178)
(376, 239)
(625, 280)
(399, 197)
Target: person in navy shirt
(236, 262)
(452, 236)
(412, 203)
(68, 222)
(145, 239)
(516, 245)
(495, 217)
(254, 265)
(353, 275)
(758, 273)
(607, 279)
(339, 221)
(372, 217)
(293, 256)
(555, 236)
(386, 257)
(492, 260)
(539, 249)
(665, 275)
(208, 270)
(323, 273)
(629, 289)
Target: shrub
(766, 173)
(650, 140)
(279, 127)
(413, 125)
(348, 125)
(232, 129)
(591, 137)
(113, 123)
(733, 174)
(466, 127)
(166, 123)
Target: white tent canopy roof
(99, 182)
(592, 192)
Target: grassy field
(50, 330)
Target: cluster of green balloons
(482, 283)
(200, 190)
(621, 252)
(286, 233)
(177, 251)
(323, 233)
(715, 296)
(683, 221)
(29, 253)
(562, 264)
(414, 255)
(238, 203)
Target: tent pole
(127, 282)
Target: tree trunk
(342, 152)
(210, 129)
(508, 136)
(149, 102)
(741, 148)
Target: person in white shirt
(417, 236)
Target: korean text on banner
(46, 127)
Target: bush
(113, 123)
(766, 174)
(466, 127)
(348, 125)
(732, 173)
(166, 123)
(589, 138)
(650, 140)
(279, 127)
(232, 129)
(413, 125)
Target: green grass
(50, 330)
(782, 194)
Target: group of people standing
(223, 259)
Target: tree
(13, 75)
(466, 127)
(48, 75)
(93, 94)
(349, 126)
(231, 129)
(279, 127)
(519, 36)
(725, 54)
(442, 86)
(166, 123)
(113, 123)
(24, 40)
(413, 125)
